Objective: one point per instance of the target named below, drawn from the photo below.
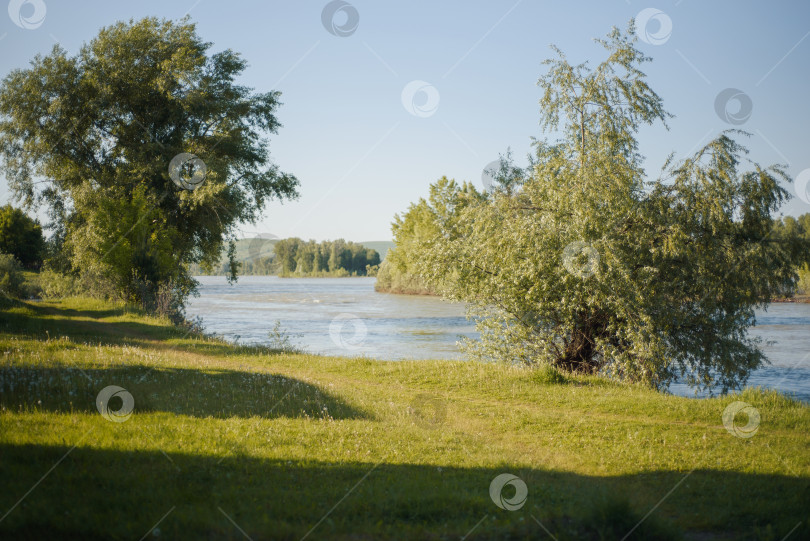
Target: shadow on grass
(212, 393)
(42, 322)
(103, 494)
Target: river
(345, 316)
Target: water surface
(345, 316)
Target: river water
(345, 316)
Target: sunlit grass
(276, 440)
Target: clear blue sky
(361, 156)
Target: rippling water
(345, 316)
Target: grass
(229, 442)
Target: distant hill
(382, 246)
(264, 247)
(254, 247)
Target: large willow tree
(94, 137)
(583, 264)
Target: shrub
(11, 277)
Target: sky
(382, 98)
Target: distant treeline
(296, 257)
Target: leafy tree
(795, 233)
(21, 237)
(285, 251)
(99, 130)
(334, 258)
(583, 264)
(423, 221)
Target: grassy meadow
(236, 442)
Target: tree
(21, 237)
(423, 221)
(286, 252)
(99, 132)
(584, 264)
(795, 234)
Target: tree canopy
(145, 149)
(21, 237)
(297, 257)
(584, 263)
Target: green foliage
(547, 374)
(425, 220)
(11, 277)
(58, 285)
(803, 285)
(583, 264)
(258, 257)
(283, 341)
(98, 131)
(295, 257)
(21, 237)
(795, 233)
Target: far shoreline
(798, 299)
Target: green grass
(228, 439)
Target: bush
(11, 277)
(56, 284)
(546, 373)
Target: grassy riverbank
(230, 442)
